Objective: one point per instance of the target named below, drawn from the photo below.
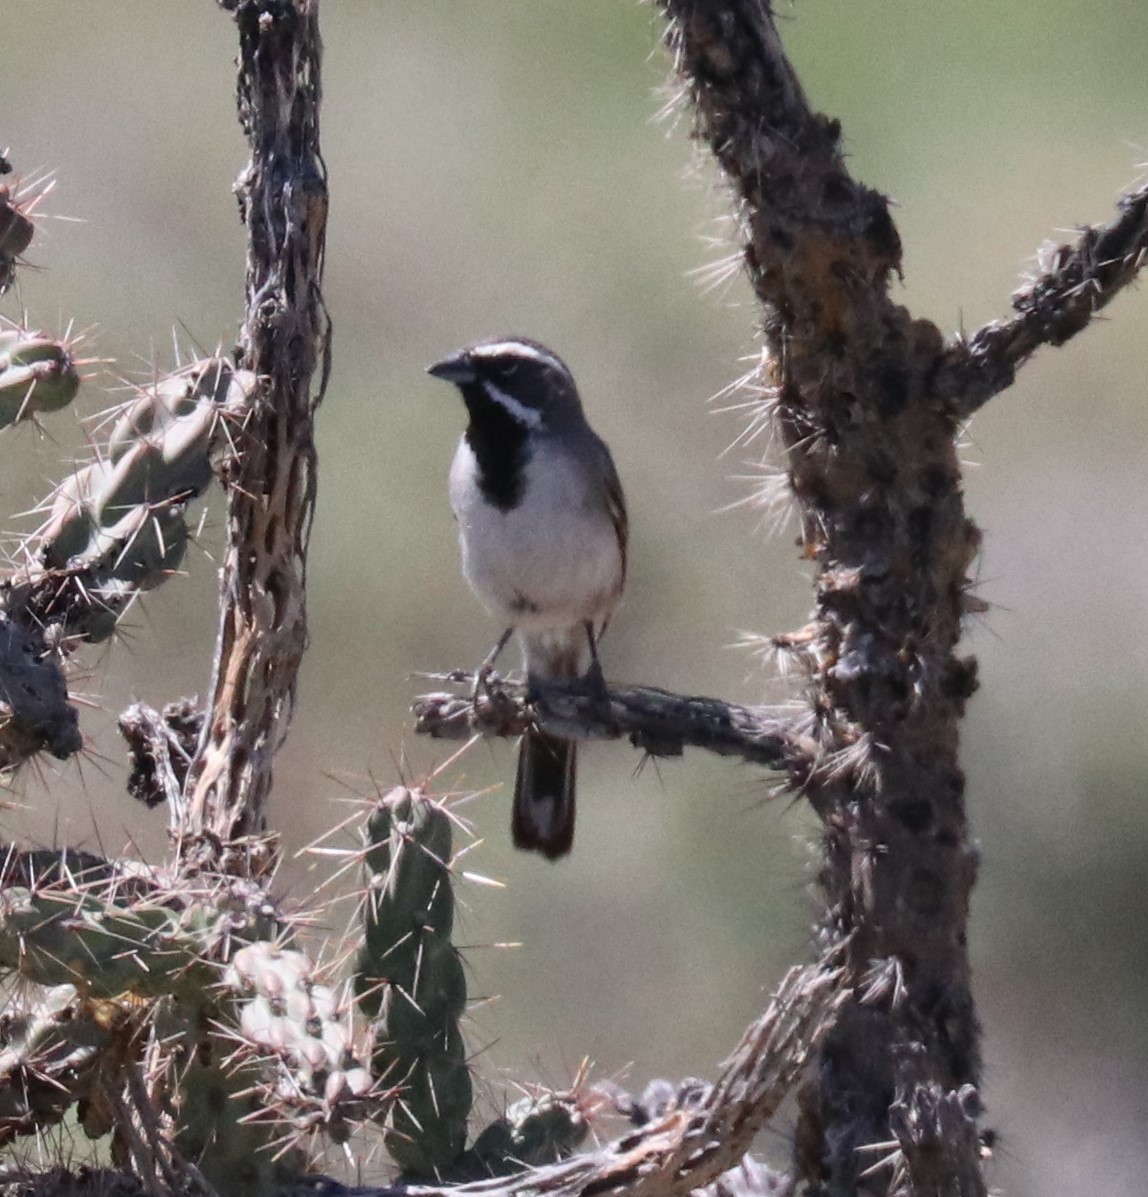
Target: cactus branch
(116, 526)
(411, 984)
(656, 721)
(1077, 281)
(872, 462)
(270, 480)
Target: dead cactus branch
(656, 721)
(161, 746)
(1075, 282)
(270, 479)
(874, 470)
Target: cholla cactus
(126, 934)
(410, 980)
(116, 527)
(129, 977)
(412, 986)
(175, 1009)
(259, 1050)
(172, 1007)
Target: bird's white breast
(553, 560)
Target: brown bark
(270, 480)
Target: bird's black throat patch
(499, 444)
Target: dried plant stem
(270, 480)
(660, 723)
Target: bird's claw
(486, 680)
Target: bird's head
(515, 377)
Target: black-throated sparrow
(542, 526)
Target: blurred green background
(496, 166)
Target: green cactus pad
(410, 981)
(117, 525)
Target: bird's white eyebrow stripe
(516, 349)
(529, 416)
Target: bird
(543, 534)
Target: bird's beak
(457, 368)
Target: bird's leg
(596, 677)
(486, 669)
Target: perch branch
(661, 723)
(1078, 282)
(270, 480)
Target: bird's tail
(543, 819)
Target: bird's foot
(486, 680)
